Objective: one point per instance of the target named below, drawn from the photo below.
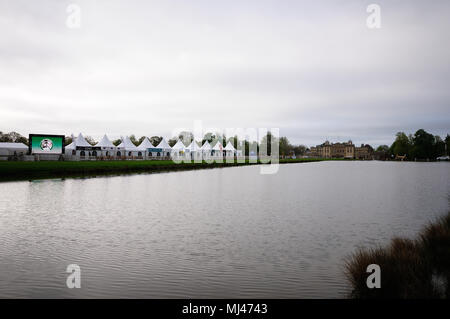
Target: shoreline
(19, 171)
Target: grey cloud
(311, 68)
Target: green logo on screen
(46, 144)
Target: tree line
(420, 145)
(286, 148)
(13, 137)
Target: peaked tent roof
(105, 142)
(229, 147)
(127, 144)
(163, 144)
(71, 146)
(179, 146)
(206, 146)
(80, 141)
(194, 147)
(218, 146)
(145, 144)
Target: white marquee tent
(129, 148)
(145, 146)
(218, 149)
(165, 147)
(195, 151)
(178, 149)
(70, 148)
(79, 147)
(229, 149)
(8, 149)
(107, 148)
(206, 149)
(81, 141)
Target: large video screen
(46, 144)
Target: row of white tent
(81, 148)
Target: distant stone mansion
(342, 150)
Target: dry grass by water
(410, 269)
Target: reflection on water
(210, 233)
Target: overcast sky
(313, 69)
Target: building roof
(218, 146)
(127, 144)
(16, 146)
(206, 146)
(193, 147)
(179, 146)
(105, 142)
(77, 141)
(81, 141)
(163, 144)
(145, 144)
(71, 146)
(229, 147)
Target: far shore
(18, 170)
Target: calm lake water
(214, 233)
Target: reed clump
(411, 269)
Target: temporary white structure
(206, 149)
(70, 148)
(178, 149)
(81, 141)
(229, 149)
(218, 149)
(105, 143)
(80, 148)
(193, 147)
(161, 150)
(11, 149)
(195, 151)
(129, 148)
(120, 150)
(145, 146)
(165, 147)
(107, 148)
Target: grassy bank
(418, 268)
(46, 169)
